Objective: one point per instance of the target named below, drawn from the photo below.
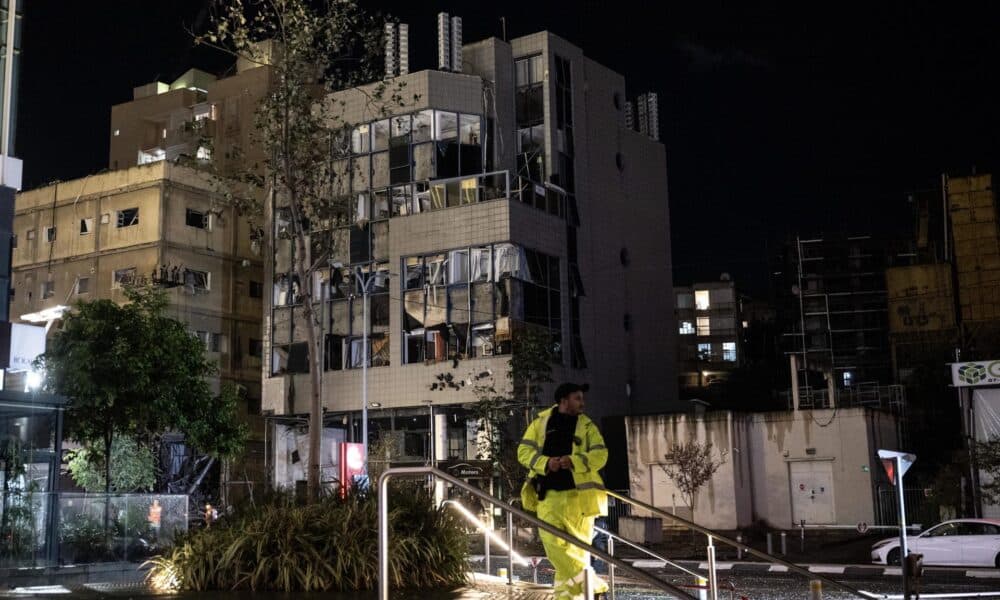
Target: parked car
(961, 542)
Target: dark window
(50, 234)
(194, 218)
(128, 217)
(256, 289)
(83, 285)
(256, 348)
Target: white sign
(973, 374)
(27, 342)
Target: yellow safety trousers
(572, 564)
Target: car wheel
(893, 557)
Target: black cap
(565, 389)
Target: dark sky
(775, 119)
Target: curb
(822, 569)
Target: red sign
(352, 464)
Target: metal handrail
(739, 545)
(647, 552)
(383, 530)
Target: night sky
(776, 120)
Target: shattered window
(128, 217)
(196, 281)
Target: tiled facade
(618, 249)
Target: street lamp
(364, 282)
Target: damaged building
(162, 224)
(509, 193)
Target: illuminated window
(704, 351)
(687, 328)
(701, 299)
(729, 351)
(704, 327)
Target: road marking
(778, 569)
(648, 564)
(826, 569)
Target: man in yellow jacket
(563, 451)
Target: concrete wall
(755, 480)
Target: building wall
(162, 192)
(757, 451)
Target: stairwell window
(128, 217)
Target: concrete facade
(780, 467)
(126, 225)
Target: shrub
(83, 539)
(331, 545)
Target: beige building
(510, 193)
(817, 466)
(159, 223)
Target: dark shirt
(559, 432)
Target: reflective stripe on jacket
(589, 456)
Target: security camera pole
(896, 464)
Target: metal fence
(887, 506)
(59, 528)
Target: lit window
(701, 299)
(704, 327)
(118, 132)
(848, 378)
(704, 351)
(729, 351)
(686, 328)
(204, 153)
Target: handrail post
(611, 566)
(486, 550)
(510, 548)
(588, 582)
(713, 581)
(383, 537)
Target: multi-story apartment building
(159, 223)
(709, 327)
(505, 195)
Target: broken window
(361, 142)
(86, 226)
(50, 234)
(48, 289)
(686, 328)
(380, 135)
(128, 217)
(701, 300)
(290, 358)
(445, 125)
(196, 282)
(195, 218)
(123, 277)
(256, 289)
(729, 351)
(83, 285)
(704, 326)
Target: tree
(987, 456)
(529, 366)
(690, 466)
(132, 371)
(134, 467)
(319, 47)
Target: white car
(962, 542)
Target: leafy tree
(690, 466)
(130, 370)
(134, 467)
(319, 46)
(988, 459)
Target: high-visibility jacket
(588, 457)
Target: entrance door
(812, 492)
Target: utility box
(641, 530)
